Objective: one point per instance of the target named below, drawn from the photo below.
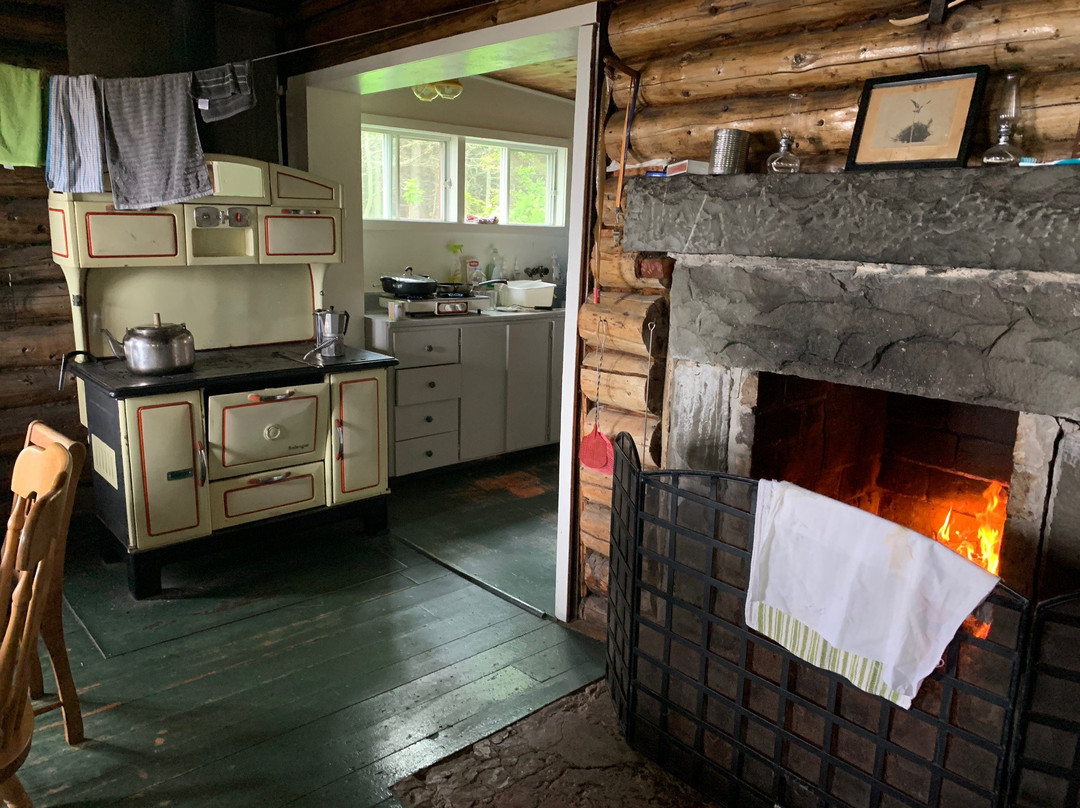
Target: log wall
(35, 318)
(705, 67)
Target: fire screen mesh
(1048, 760)
(750, 724)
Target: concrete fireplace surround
(958, 284)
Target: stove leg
(374, 516)
(144, 576)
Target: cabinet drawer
(431, 418)
(245, 499)
(425, 346)
(265, 429)
(421, 385)
(425, 453)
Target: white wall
(333, 149)
(484, 105)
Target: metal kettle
(155, 349)
(330, 328)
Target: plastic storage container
(532, 294)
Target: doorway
(325, 111)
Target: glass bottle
(786, 161)
(1005, 153)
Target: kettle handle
(345, 325)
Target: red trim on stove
(194, 465)
(224, 424)
(266, 235)
(378, 432)
(311, 496)
(67, 247)
(90, 238)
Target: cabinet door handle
(429, 348)
(256, 398)
(431, 385)
(273, 478)
(429, 419)
(339, 425)
(429, 453)
(202, 463)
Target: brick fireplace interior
(938, 467)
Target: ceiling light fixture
(425, 92)
(448, 89)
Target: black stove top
(260, 365)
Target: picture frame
(896, 127)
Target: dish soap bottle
(489, 267)
(456, 273)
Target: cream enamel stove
(439, 305)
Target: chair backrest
(41, 434)
(37, 514)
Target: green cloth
(22, 106)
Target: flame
(983, 544)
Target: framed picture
(921, 120)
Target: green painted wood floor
(323, 701)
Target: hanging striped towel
(151, 143)
(855, 594)
(224, 91)
(74, 162)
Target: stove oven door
(267, 429)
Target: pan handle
(68, 357)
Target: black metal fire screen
(753, 726)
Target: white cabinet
(528, 359)
(109, 238)
(469, 389)
(357, 450)
(299, 235)
(166, 468)
(290, 187)
(484, 392)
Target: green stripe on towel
(807, 644)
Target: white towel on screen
(854, 593)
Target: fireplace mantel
(1020, 219)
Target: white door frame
(584, 18)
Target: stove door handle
(257, 399)
(273, 478)
(202, 463)
(339, 425)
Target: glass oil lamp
(786, 161)
(1005, 153)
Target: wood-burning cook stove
(268, 424)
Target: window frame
(391, 190)
(454, 175)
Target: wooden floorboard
(326, 701)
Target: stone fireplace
(906, 342)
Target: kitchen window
(434, 176)
(404, 175)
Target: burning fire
(983, 544)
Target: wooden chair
(25, 575)
(52, 624)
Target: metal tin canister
(729, 151)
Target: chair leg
(14, 795)
(36, 677)
(52, 632)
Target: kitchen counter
(465, 319)
(261, 365)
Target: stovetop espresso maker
(330, 328)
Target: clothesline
(385, 28)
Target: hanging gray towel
(151, 143)
(222, 92)
(74, 161)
